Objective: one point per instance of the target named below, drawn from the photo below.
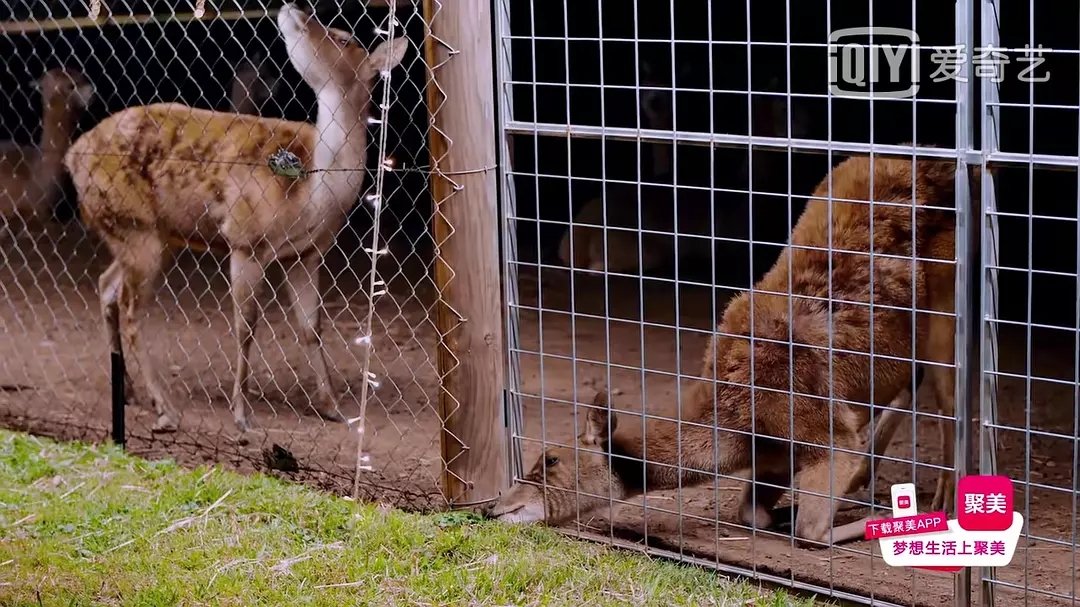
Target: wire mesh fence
(271, 222)
(702, 171)
(666, 157)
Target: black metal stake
(118, 399)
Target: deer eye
(551, 461)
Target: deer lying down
(169, 176)
(773, 412)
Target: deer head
(657, 110)
(332, 60)
(65, 85)
(769, 118)
(549, 492)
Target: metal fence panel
(637, 131)
(1028, 409)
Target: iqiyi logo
(874, 61)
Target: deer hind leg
(125, 286)
(110, 284)
(882, 434)
(245, 277)
(302, 282)
(942, 375)
(945, 494)
(817, 506)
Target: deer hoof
(329, 415)
(164, 424)
(808, 544)
(811, 535)
(756, 518)
(242, 424)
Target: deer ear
(599, 423)
(388, 55)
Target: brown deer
(167, 176)
(829, 296)
(30, 176)
(255, 81)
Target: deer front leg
(823, 481)
(881, 436)
(245, 278)
(885, 428)
(302, 282)
(110, 284)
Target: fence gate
(666, 150)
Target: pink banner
(932, 522)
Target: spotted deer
(167, 176)
(30, 176)
(828, 320)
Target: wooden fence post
(471, 363)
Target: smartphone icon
(903, 500)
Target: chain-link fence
(195, 227)
(668, 153)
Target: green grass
(88, 525)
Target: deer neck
(342, 128)
(58, 123)
(671, 455)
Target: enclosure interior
(601, 65)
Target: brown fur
(775, 369)
(141, 152)
(30, 176)
(168, 176)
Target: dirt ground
(54, 381)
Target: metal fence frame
(977, 145)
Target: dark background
(192, 63)
(1043, 245)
